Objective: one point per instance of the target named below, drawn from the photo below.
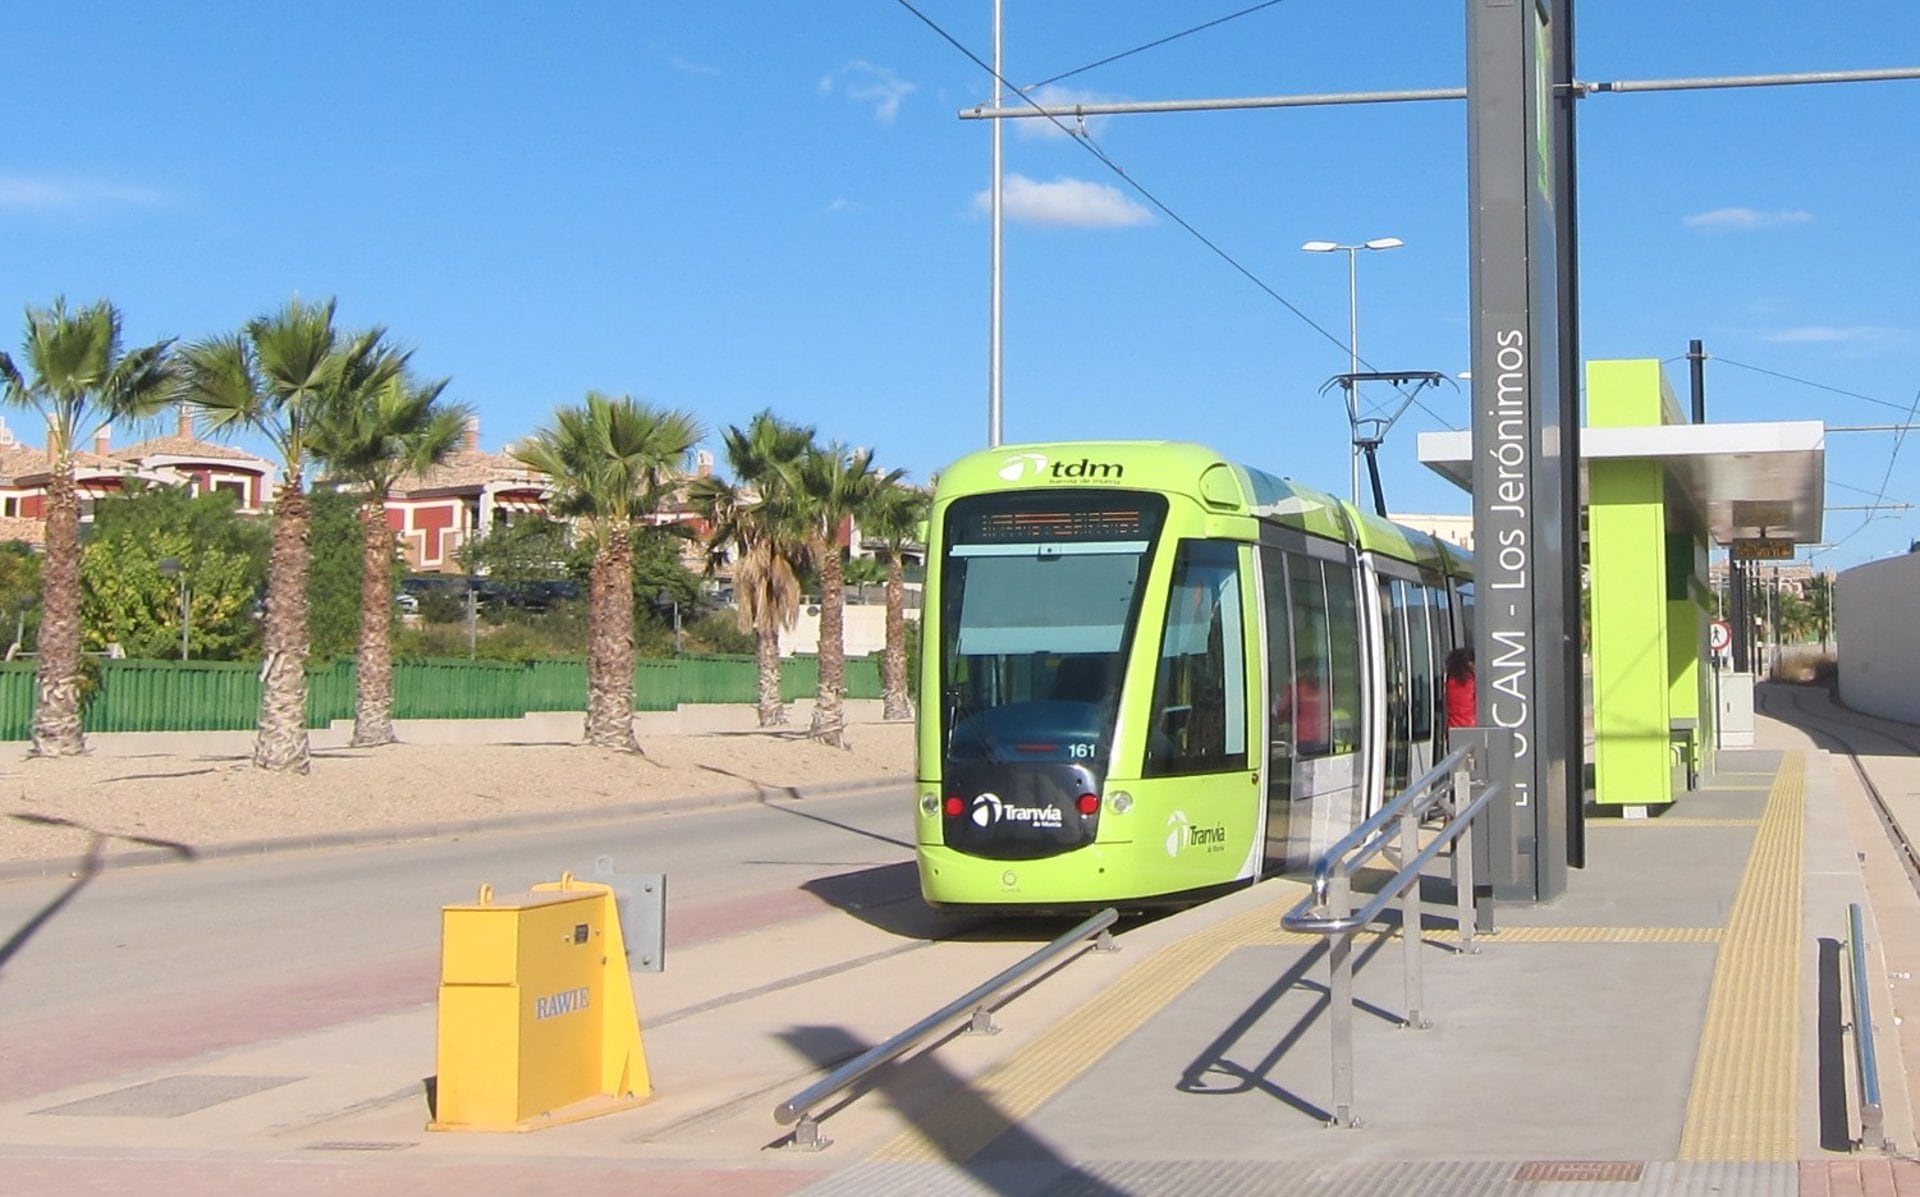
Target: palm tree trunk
(57, 729)
(773, 712)
(373, 668)
(282, 744)
(829, 718)
(610, 645)
(893, 666)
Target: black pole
(1737, 615)
(1697, 367)
(1373, 475)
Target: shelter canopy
(1747, 481)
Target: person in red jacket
(1462, 703)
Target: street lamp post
(1353, 341)
(172, 568)
(667, 598)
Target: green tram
(1150, 675)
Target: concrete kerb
(146, 857)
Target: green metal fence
(225, 695)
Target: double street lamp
(1353, 340)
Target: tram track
(1845, 734)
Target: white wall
(865, 631)
(1878, 634)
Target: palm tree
(837, 483)
(370, 438)
(276, 377)
(80, 381)
(610, 460)
(894, 518)
(760, 522)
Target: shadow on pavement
(90, 866)
(950, 1114)
(1216, 1060)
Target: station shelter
(1659, 492)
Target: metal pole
(1340, 1001)
(186, 613)
(994, 415)
(1463, 893)
(1353, 368)
(1697, 375)
(1412, 915)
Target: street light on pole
(172, 568)
(1353, 340)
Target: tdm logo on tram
(1023, 466)
(988, 810)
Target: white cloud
(865, 83)
(1821, 334)
(1065, 202)
(687, 66)
(843, 204)
(1745, 220)
(26, 193)
(1032, 127)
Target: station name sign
(1763, 550)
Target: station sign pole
(1525, 410)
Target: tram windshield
(1039, 597)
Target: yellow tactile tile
(1745, 1081)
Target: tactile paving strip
(1745, 1081)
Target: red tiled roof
(470, 468)
(186, 446)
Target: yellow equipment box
(537, 1021)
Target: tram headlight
(929, 804)
(1120, 802)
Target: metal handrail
(798, 1108)
(1327, 909)
(1297, 920)
(1371, 837)
(1866, 1063)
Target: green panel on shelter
(1649, 602)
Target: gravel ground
(53, 808)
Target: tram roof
(1748, 480)
(1184, 467)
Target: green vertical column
(1626, 531)
(1688, 610)
(1634, 664)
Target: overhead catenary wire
(1085, 141)
(1153, 45)
(1819, 386)
(1899, 439)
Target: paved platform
(1673, 1024)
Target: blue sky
(722, 206)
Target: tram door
(1314, 699)
(1410, 710)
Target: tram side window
(1199, 696)
(1393, 610)
(1343, 627)
(1309, 700)
(1280, 737)
(1420, 659)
